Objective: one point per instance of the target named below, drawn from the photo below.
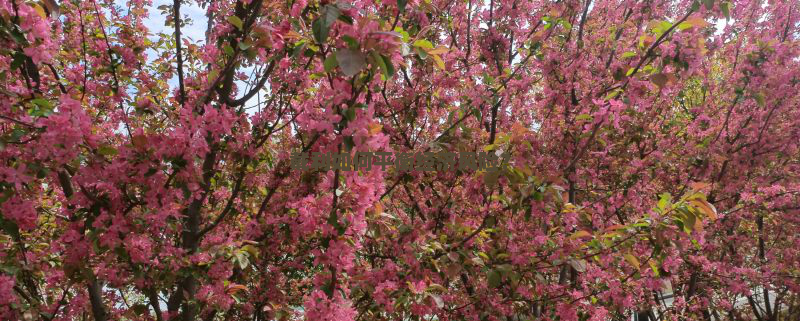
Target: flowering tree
(147, 176)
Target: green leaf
(421, 52)
(664, 201)
(580, 234)
(378, 60)
(346, 19)
(628, 54)
(140, 309)
(401, 5)
(632, 260)
(437, 287)
(491, 221)
(299, 48)
(351, 61)
(619, 74)
(37, 168)
(150, 172)
(228, 50)
(349, 143)
(494, 278)
(18, 38)
(384, 63)
(350, 114)
(404, 34)
(654, 267)
(322, 25)
(351, 42)
(330, 13)
(243, 45)
(330, 62)
(726, 9)
(319, 30)
(43, 103)
(630, 71)
(9, 269)
(389, 67)
(19, 58)
(661, 27)
(760, 99)
(333, 219)
(9, 227)
(689, 224)
(241, 259)
(424, 44)
(251, 249)
(236, 22)
(484, 256)
(328, 288)
(42, 108)
(709, 4)
(250, 54)
(439, 62)
(107, 150)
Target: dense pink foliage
(145, 175)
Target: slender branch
(178, 54)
